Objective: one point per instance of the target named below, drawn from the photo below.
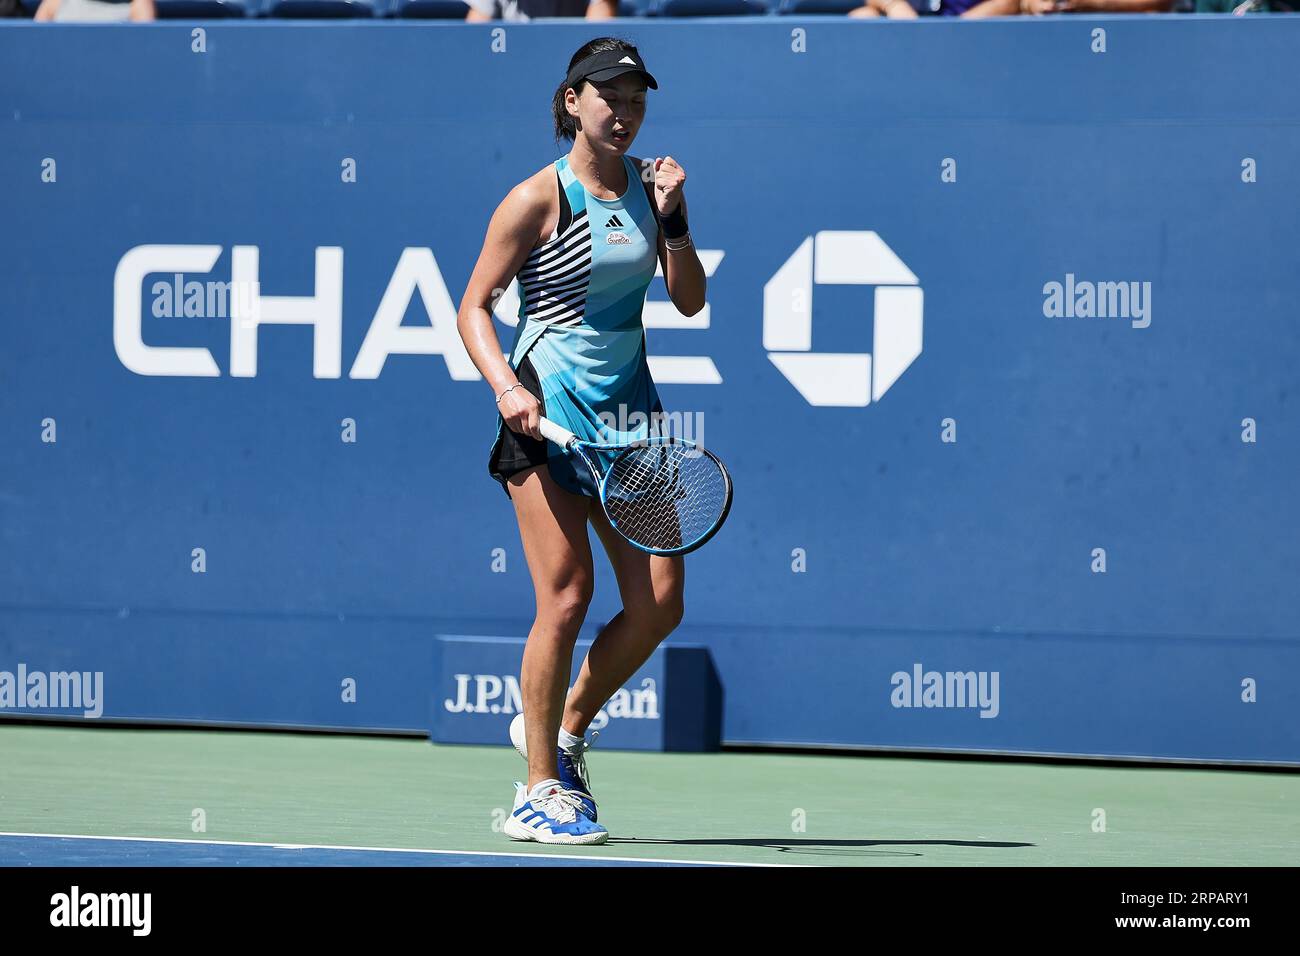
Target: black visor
(606, 65)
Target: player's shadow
(826, 847)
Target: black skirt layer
(512, 452)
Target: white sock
(541, 786)
(569, 742)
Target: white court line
(379, 849)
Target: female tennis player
(583, 236)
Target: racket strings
(665, 495)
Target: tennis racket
(665, 495)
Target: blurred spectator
(90, 11)
(539, 9)
(1037, 7)
(1241, 7)
(12, 8)
(911, 9)
(904, 9)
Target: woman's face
(609, 113)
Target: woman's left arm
(683, 273)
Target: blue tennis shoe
(572, 764)
(551, 814)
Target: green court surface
(326, 790)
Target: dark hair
(565, 127)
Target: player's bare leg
(652, 588)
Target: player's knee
(662, 616)
(568, 605)
(671, 613)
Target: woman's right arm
(511, 235)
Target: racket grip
(556, 433)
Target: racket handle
(556, 433)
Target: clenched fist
(669, 179)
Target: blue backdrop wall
(934, 451)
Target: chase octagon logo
(847, 379)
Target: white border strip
(382, 849)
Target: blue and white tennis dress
(580, 329)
